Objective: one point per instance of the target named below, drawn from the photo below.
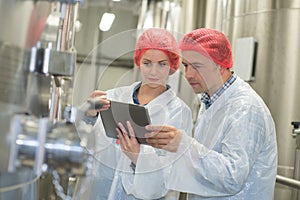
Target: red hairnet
(210, 43)
(160, 39)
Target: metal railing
(288, 181)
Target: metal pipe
(288, 181)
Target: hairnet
(160, 39)
(210, 43)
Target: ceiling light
(106, 21)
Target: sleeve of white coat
(93, 136)
(210, 173)
(153, 166)
(146, 182)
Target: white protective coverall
(113, 165)
(233, 154)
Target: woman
(120, 161)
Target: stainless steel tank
(37, 61)
(21, 22)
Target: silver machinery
(38, 136)
(294, 182)
(296, 134)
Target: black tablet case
(122, 112)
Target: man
(233, 154)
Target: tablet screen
(122, 112)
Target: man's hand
(164, 137)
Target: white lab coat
(234, 152)
(165, 109)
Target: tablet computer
(122, 112)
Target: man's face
(202, 73)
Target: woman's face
(155, 68)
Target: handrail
(288, 181)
